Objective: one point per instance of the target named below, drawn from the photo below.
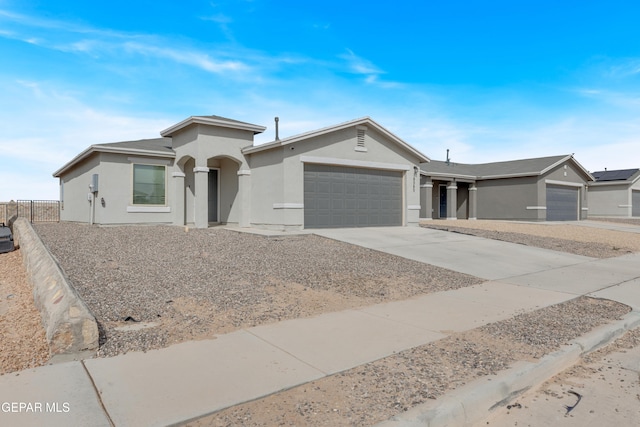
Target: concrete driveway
(477, 256)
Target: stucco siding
(609, 200)
(116, 188)
(267, 186)
(76, 182)
(339, 145)
(512, 198)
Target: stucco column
(473, 201)
(452, 200)
(178, 202)
(201, 179)
(244, 193)
(426, 200)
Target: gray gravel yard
(376, 391)
(192, 285)
(575, 239)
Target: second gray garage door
(338, 196)
(635, 203)
(562, 203)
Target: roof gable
(326, 130)
(213, 121)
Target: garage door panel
(357, 197)
(562, 203)
(635, 203)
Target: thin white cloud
(71, 37)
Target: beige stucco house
(206, 170)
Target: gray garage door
(635, 203)
(337, 196)
(562, 203)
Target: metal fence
(33, 210)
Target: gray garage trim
(562, 203)
(340, 196)
(635, 203)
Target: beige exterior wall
(75, 206)
(278, 189)
(610, 200)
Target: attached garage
(635, 203)
(562, 203)
(340, 196)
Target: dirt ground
(363, 395)
(23, 343)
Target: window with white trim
(149, 184)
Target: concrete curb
(473, 403)
(71, 329)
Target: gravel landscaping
(195, 284)
(376, 391)
(150, 287)
(575, 239)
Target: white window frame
(132, 189)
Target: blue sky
(489, 80)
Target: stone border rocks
(71, 329)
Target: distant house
(545, 188)
(615, 193)
(206, 170)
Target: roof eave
(170, 131)
(319, 132)
(102, 149)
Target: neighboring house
(539, 189)
(206, 170)
(615, 194)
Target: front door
(213, 195)
(443, 201)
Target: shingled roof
(512, 168)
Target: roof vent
(448, 159)
(277, 136)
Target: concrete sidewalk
(189, 380)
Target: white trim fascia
(450, 175)
(148, 209)
(536, 208)
(413, 207)
(212, 122)
(244, 172)
(318, 132)
(178, 174)
(563, 183)
(361, 149)
(354, 163)
(288, 206)
(609, 183)
(148, 161)
(97, 148)
(201, 169)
